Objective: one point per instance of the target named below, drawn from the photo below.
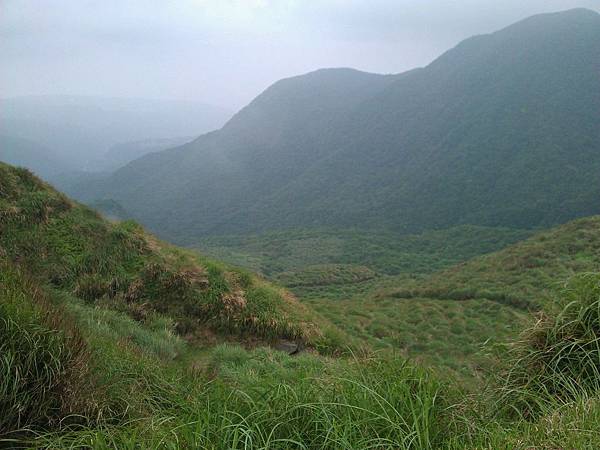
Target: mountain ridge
(448, 144)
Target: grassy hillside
(437, 297)
(112, 339)
(445, 317)
(499, 131)
(384, 253)
(72, 249)
(520, 275)
(347, 275)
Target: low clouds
(227, 51)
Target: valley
(351, 261)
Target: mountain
(502, 130)
(73, 182)
(82, 129)
(121, 154)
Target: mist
(225, 52)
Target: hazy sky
(227, 51)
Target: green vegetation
(112, 339)
(119, 266)
(42, 368)
(384, 253)
(104, 335)
(444, 318)
(323, 268)
(234, 398)
(501, 130)
(445, 334)
(558, 356)
(411, 295)
(521, 275)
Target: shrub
(559, 356)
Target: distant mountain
(121, 154)
(23, 152)
(504, 129)
(83, 129)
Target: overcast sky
(226, 52)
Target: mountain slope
(445, 318)
(491, 133)
(501, 130)
(523, 274)
(121, 154)
(258, 150)
(74, 251)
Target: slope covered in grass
(444, 318)
(96, 353)
(103, 332)
(75, 375)
(136, 396)
(520, 275)
(71, 249)
(385, 253)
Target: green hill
(519, 275)
(437, 296)
(112, 339)
(444, 318)
(75, 252)
(499, 131)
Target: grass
(146, 397)
(545, 393)
(43, 359)
(559, 356)
(444, 334)
(352, 278)
(440, 313)
(266, 399)
(384, 253)
(120, 266)
(527, 272)
(112, 339)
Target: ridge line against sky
(225, 52)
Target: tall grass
(43, 359)
(558, 358)
(266, 399)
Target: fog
(225, 52)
